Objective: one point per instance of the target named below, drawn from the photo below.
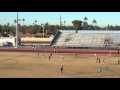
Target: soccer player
(100, 72)
(61, 69)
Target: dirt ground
(30, 65)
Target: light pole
(17, 32)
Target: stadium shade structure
(107, 39)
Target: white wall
(5, 40)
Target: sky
(53, 18)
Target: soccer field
(30, 65)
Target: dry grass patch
(29, 65)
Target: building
(11, 41)
(36, 40)
(7, 41)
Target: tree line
(52, 29)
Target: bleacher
(86, 38)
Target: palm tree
(85, 19)
(94, 22)
(19, 20)
(15, 21)
(64, 23)
(85, 23)
(8, 26)
(60, 23)
(35, 21)
(23, 21)
(33, 25)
